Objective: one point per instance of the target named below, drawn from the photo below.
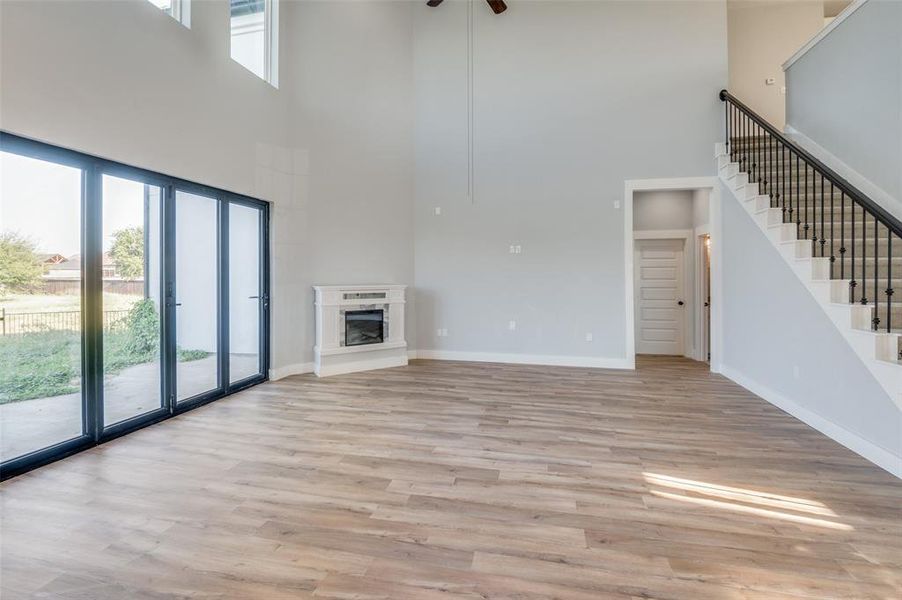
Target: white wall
(762, 35)
(701, 207)
(666, 209)
(351, 97)
(845, 95)
(332, 150)
(772, 326)
(571, 99)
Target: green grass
(40, 365)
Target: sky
(42, 201)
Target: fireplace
(358, 328)
(363, 327)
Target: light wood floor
(462, 481)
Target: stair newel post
(842, 235)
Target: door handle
(680, 303)
(253, 297)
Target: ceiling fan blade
(498, 6)
(433, 3)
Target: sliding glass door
(247, 298)
(126, 296)
(132, 284)
(197, 260)
(41, 341)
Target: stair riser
(820, 276)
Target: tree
(20, 267)
(128, 252)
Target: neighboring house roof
(73, 263)
(51, 259)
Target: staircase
(845, 248)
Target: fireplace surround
(358, 328)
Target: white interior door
(660, 306)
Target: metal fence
(39, 322)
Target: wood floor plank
(462, 481)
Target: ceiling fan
(497, 6)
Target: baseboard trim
(527, 359)
(881, 457)
(289, 370)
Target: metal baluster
(842, 235)
(853, 284)
(864, 254)
(783, 179)
(798, 200)
(768, 172)
(876, 275)
(807, 194)
(823, 238)
(754, 177)
(726, 126)
(832, 230)
(889, 281)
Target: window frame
(270, 43)
(180, 10)
(93, 168)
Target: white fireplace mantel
(331, 356)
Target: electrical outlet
(616, 203)
(441, 332)
(512, 325)
(589, 337)
(438, 210)
(516, 249)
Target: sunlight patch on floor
(744, 501)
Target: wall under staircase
(787, 339)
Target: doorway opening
(670, 280)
